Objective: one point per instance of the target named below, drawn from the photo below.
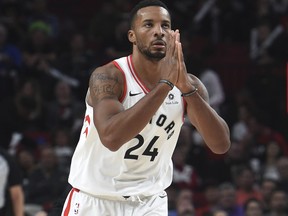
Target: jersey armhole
(125, 84)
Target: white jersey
(142, 166)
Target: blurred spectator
(268, 44)
(13, 17)
(269, 166)
(279, 8)
(27, 164)
(38, 11)
(239, 130)
(211, 199)
(214, 87)
(228, 200)
(282, 168)
(253, 207)
(260, 135)
(234, 20)
(10, 64)
(22, 114)
(11, 193)
(236, 157)
(267, 187)
(29, 103)
(246, 186)
(77, 62)
(203, 159)
(263, 11)
(119, 45)
(61, 142)
(101, 34)
(196, 53)
(39, 55)
(47, 182)
(184, 175)
(278, 204)
(64, 110)
(184, 204)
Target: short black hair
(143, 4)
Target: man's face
(151, 28)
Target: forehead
(153, 13)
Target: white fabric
(82, 204)
(100, 172)
(3, 179)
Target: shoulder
(106, 71)
(107, 81)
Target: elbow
(221, 147)
(110, 143)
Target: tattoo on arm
(103, 84)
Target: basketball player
(135, 110)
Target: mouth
(159, 44)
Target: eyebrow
(151, 20)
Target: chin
(157, 56)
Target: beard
(154, 56)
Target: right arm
(114, 124)
(17, 197)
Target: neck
(146, 69)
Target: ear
(131, 37)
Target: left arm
(209, 124)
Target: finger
(177, 40)
(170, 43)
(177, 35)
(181, 57)
(179, 52)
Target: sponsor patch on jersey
(170, 99)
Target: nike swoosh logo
(134, 94)
(162, 196)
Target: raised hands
(173, 67)
(184, 82)
(170, 63)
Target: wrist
(189, 93)
(167, 82)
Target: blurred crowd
(238, 48)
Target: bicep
(106, 109)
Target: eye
(166, 26)
(148, 25)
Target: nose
(158, 31)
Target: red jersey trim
(125, 84)
(68, 207)
(135, 75)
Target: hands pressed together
(173, 67)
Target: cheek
(141, 44)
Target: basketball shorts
(83, 204)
